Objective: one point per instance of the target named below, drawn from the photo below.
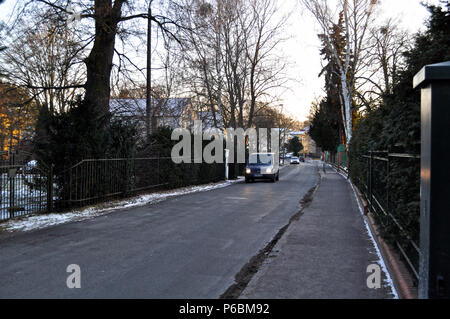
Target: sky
(302, 47)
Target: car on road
(302, 159)
(262, 166)
(295, 160)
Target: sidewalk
(324, 254)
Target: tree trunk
(99, 61)
(347, 109)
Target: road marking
(237, 198)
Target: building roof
(207, 119)
(172, 107)
(297, 133)
(304, 131)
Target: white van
(262, 166)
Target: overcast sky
(302, 48)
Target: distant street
(190, 246)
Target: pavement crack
(245, 275)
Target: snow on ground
(29, 193)
(33, 222)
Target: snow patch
(34, 222)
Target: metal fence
(29, 188)
(390, 184)
(338, 160)
(24, 188)
(95, 180)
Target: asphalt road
(190, 246)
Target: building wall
(309, 146)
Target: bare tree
(262, 39)
(230, 57)
(357, 16)
(381, 62)
(201, 56)
(45, 59)
(102, 22)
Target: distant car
(295, 160)
(302, 159)
(262, 166)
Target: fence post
(158, 170)
(388, 181)
(370, 180)
(227, 154)
(50, 190)
(12, 190)
(434, 268)
(339, 157)
(70, 185)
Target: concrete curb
(402, 279)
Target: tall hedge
(395, 127)
(184, 174)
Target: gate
(25, 187)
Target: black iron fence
(28, 188)
(390, 184)
(23, 191)
(95, 180)
(338, 160)
(24, 186)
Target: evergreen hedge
(395, 127)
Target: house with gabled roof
(171, 112)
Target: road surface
(190, 246)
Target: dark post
(339, 157)
(434, 281)
(12, 191)
(50, 190)
(148, 107)
(370, 181)
(388, 177)
(158, 168)
(11, 176)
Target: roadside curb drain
(245, 275)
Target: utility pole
(218, 57)
(148, 106)
(220, 66)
